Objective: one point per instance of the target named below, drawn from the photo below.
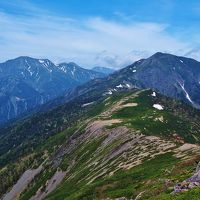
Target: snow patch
(119, 86)
(186, 93)
(158, 106)
(87, 104)
(46, 65)
(109, 92)
(22, 73)
(41, 61)
(181, 61)
(73, 71)
(128, 85)
(31, 73)
(134, 70)
(29, 68)
(153, 94)
(64, 69)
(18, 99)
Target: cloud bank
(89, 41)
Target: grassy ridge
(153, 177)
(151, 121)
(150, 177)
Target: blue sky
(109, 33)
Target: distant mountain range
(26, 83)
(103, 70)
(173, 76)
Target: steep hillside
(136, 144)
(173, 76)
(26, 83)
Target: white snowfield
(158, 106)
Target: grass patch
(151, 121)
(123, 183)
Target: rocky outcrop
(189, 183)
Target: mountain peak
(29, 59)
(26, 83)
(161, 54)
(169, 59)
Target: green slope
(119, 146)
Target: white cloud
(89, 42)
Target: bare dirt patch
(50, 185)
(129, 105)
(22, 183)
